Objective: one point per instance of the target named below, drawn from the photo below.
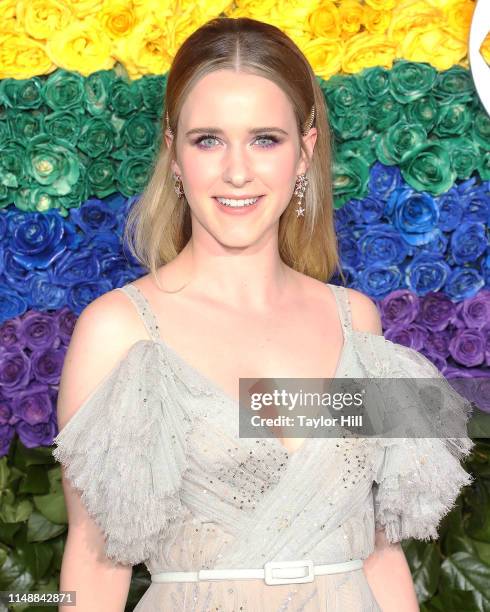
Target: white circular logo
(479, 68)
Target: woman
(236, 229)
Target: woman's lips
(238, 210)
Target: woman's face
(234, 152)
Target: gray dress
(155, 453)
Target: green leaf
(35, 480)
(52, 507)
(39, 529)
(36, 557)
(465, 572)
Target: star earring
(300, 188)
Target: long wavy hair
(159, 224)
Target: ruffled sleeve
(125, 450)
(417, 479)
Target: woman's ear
(309, 142)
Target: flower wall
(82, 85)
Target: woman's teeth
(237, 203)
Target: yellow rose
(290, 14)
(251, 8)
(84, 8)
(325, 21)
(22, 57)
(40, 18)
(413, 14)
(381, 5)
(365, 50)
(117, 19)
(459, 16)
(8, 17)
(150, 47)
(434, 45)
(351, 13)
(485, 49)
(376, 22)
(82, 46)
(324, 55)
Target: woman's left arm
(389, 577)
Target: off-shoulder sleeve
(417, 479)
(125, 450)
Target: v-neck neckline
(219, 392)
(205, 381)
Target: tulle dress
(155, 453)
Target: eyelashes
(274, 140)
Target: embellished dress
(155, 453)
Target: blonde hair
(159, 224)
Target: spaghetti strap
(144, 310)
(343, 305)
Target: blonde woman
(236, 230)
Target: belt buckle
(270, 566)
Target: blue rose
(383, 245)
(463, 282)
(468, 242)
(383, 180)
(426, 273)
(415, 215)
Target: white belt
(273, 572)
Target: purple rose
(399, 308)
(46, 365)
(475, 311)
(39, 330)
(414, 336)
(436, 311)
(467, 347)
(41, 434)
(15, 371)
(33, 406)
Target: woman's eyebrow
(214, 130)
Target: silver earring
(178, 187)
(300, 188)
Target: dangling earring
(300, 188)
(302, 179)
(178, 187)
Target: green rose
(424, 111)
(134, 173)
(454, 85)
(454, 119)
(23, 94)
(101, 177)
(463, 155)
(64, 90)
(12, 155)
(97, 137)
(481, 129)
(375, 82)
(428, 168)
(350, 179)
(139, 131)
(363, 147)
(77, 195)
(125, 98)
(344, 94)
(399, 142)
(24, 126)
(349, 126)
(63, 124)
(52, 162)
(411, 80)
(96, 89)
(153, 89)
(383, 113)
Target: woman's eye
(267, 137)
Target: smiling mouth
(236, 203)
